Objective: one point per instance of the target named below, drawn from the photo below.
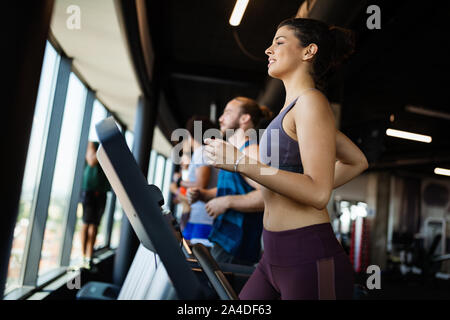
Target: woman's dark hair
(267, 117)
(334, 44)
(206, 125)
(260, 115)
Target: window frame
(71, 215)
(37, 177)
(39, 210)
(29, 279)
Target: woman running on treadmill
(302, 258)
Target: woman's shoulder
(311, 95)
(312, 101)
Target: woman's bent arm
(316, 135)
(351, 162)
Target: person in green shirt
(93, 197)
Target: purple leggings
(305, 263)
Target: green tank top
(94, 179)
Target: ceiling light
(442, 171)
(238, 12)
(408, 135)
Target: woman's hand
(222, 154)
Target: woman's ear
(310, 51)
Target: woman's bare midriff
(282, 213)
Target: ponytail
(267, 116)
(344, 45)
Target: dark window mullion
(35, 238)
(71, 216)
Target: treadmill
(177, 271)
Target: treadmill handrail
(213, 272)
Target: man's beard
(234, 126)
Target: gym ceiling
(396, 79)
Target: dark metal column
(25, 39)
(379, 223)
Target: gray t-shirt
(198, 211)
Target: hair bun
(344, 44)
(266, 112)
(267, 116)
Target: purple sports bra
(277, 149)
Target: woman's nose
(269, 51)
